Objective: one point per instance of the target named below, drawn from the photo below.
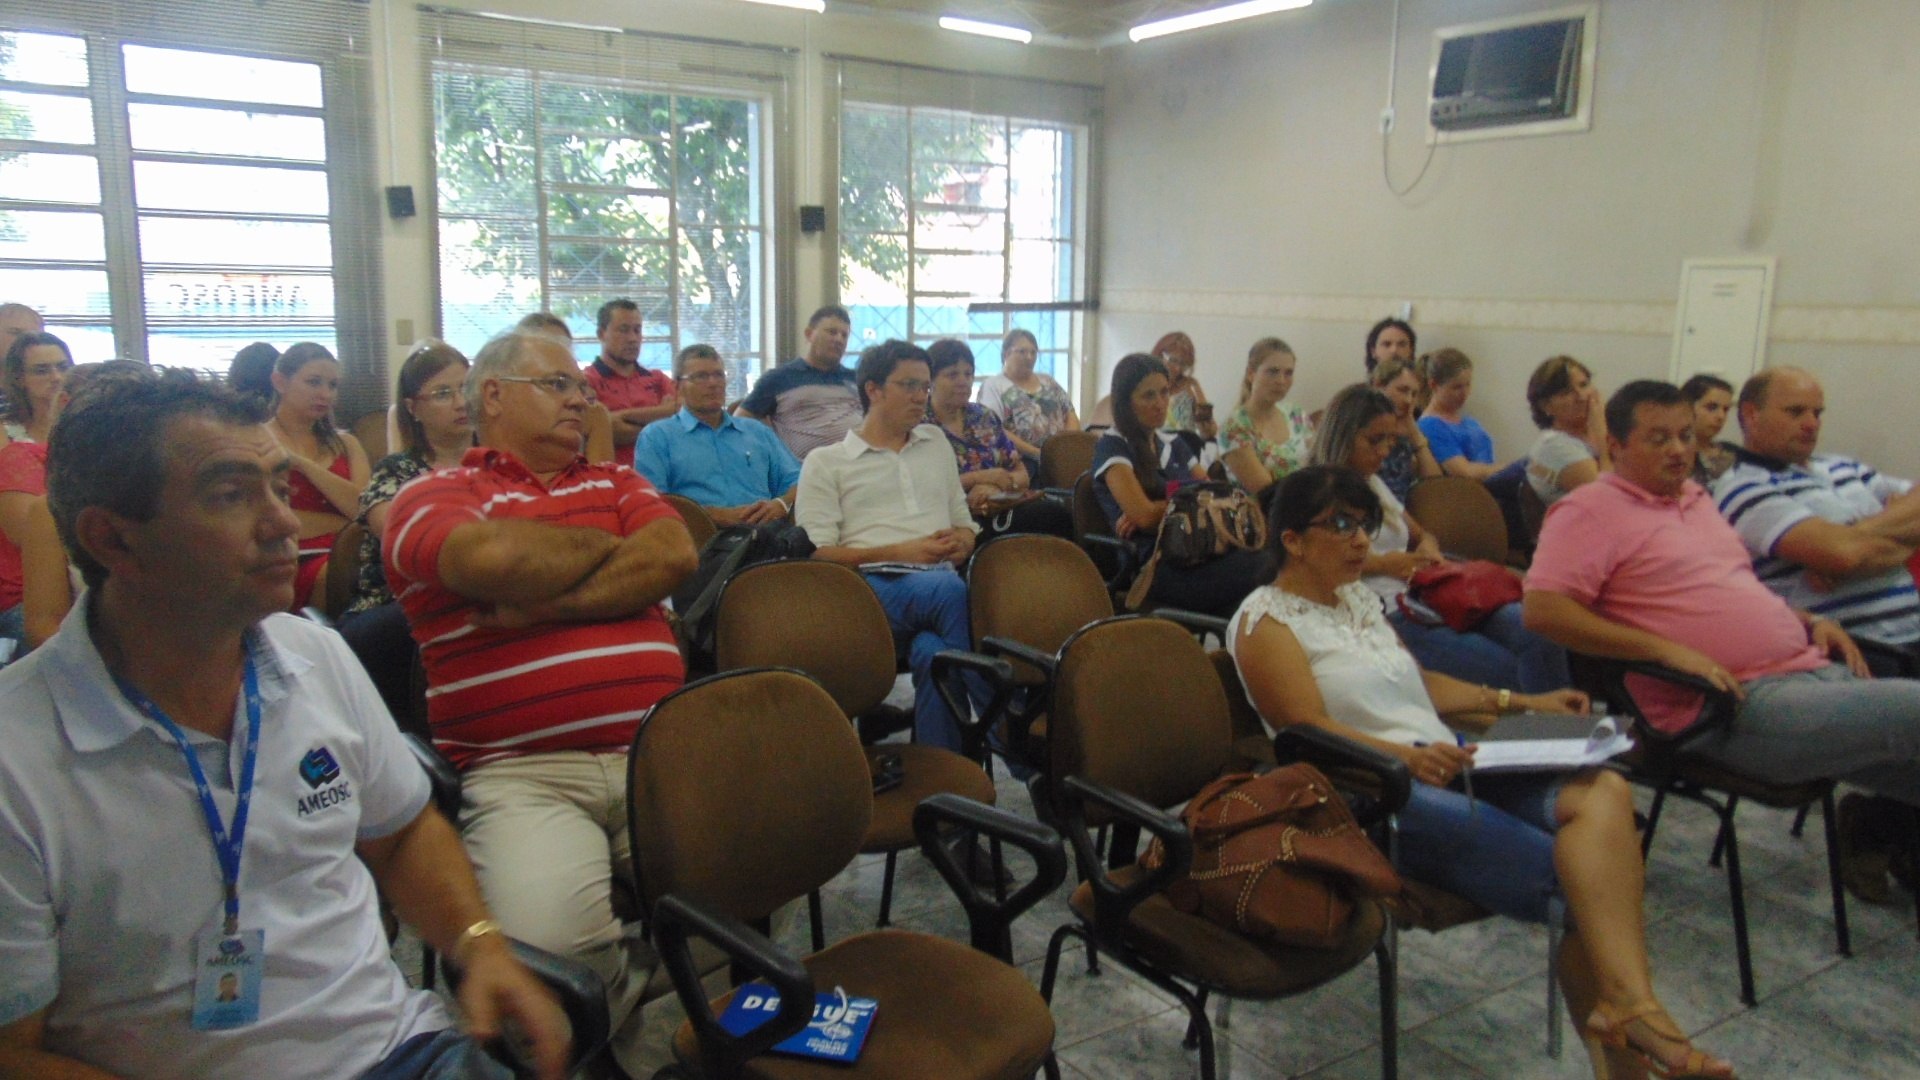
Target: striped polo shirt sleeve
(424, 514)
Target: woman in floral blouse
(1032, 407)
(1278, 433)
(995, 479)
(435, 433)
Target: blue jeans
(1496, 851)
(1500, 652)
(1827, 724)
(928, 613)
(439, 1055)
(13, 627)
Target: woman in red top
(36, 367)
(329, 467)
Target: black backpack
(697, 600)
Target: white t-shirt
(107, 871)
(1394, 535)
(1367, 679)
(1553, 452)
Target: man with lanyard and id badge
(199, 794)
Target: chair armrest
(441, 776)
(949, 663)
(1046, 662)
(1201, 625)
(988, 917)
(582, 994)
(676, 920)
(1717, 712)
(1323, 749)
(1124, 556)
(1065, 494)
(1112, 903)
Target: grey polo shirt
(107, 871)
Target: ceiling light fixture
(815, 6)
(1213, 17)
(986, 29)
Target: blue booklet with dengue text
(838, 1031)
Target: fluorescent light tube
(815, 6)
(986, 29)
(1213, 17)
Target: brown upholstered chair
(699, 523)
(1063, 457)
(750, 788)
(1662, 763)
(1139, 724)
(371, 430)
(337, 581)
(1113, 556)
(1462, 515)
(824, 619)
(1533, 513)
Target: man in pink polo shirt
(1641, 566)
(633, 395)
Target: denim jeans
(1825, 723)
(1496, 850)
(1500, 652)
(928, 612)
(439, 1055)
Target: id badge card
(227, 972)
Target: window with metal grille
(174, 202)
(570, 174)
(960, 222)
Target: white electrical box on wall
(1721, 326)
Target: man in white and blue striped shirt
(1829, 533)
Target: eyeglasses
(705, 376)
(911, 386)
(557, 385)
(43, 370)
(1345, 526)
(440, 396)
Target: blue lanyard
(226, 847)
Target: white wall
(1243, 197)
(404, 116)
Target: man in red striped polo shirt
(533, 580)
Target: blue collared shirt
(740, 462)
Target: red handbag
(1463, 594)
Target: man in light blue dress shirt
(735, 467)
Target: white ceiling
(1082, 22)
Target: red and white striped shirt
(494, 694)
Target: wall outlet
(1406, 311)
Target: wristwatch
(1504, 701)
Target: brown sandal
(1608, 1026)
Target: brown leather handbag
(1278, 857)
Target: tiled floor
(1473, 1000)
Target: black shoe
(1864, 857)
(882, 721)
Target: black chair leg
(429, 970)
(1800, 822)
(1051, 1067)
(1842, 935)
(1737, 894)
(816, 921)
(1726, 826)
(886, 891)
(1383, 954)
(1653, 822)
(1052, 968)
(1192, 1039)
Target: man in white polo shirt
(887, 500)
(198, 795)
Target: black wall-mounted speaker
(400, 201)
(813, 219)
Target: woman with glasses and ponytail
(435, 433)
